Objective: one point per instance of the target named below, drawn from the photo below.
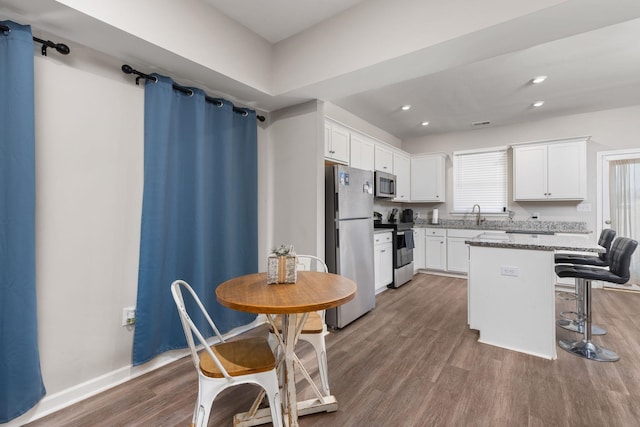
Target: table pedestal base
(306, 407)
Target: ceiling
(587, 72)
(589, 49)
(591, 71)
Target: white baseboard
(64, 398)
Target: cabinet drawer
(380, 238)
(439, 232)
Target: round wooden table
(312, 291)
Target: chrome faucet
(478, 219)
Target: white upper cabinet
(402, 170)
(336, 142)
(428, 178)
(362, 152)
(550, 171)
(383, 159)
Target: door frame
(603, 159)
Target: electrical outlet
(583, 207)
(128, 316)
(506, 270)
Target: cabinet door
(383, 159)
(567, 171)
(327, 139)
(530, 172)
(419, 253)
(386, 260)
(377, 266)
(383, 265)
(436, 252)
(457, 255)
(362, 152)
(401, 168)
(339, 144)
(427, 179)
(383, 259)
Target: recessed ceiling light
(538, 79)
(406, 107)
(425, 123)
(538, 103)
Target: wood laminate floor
(413, 362)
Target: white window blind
(480, 177)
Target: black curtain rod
(127, 69)
(60, 47)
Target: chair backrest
(605, 240)
(621, 251)
(190, 329)
(311, 263)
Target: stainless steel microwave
(385, 185)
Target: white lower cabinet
(435, 249)
(383, 259)
(458, 250)
(419, 251)
(444, 249)
(457, 255)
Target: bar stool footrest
(574, 326)
(567, 296)
(589, 350)
(573, 316)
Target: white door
(619, 199)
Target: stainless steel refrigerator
(349, 238)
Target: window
(480, 177)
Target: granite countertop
(536, 242)
(529, 226)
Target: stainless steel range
(402, 251)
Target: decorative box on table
(281, 266)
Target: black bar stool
(576, 324)
(618, 272)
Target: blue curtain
(199, 211)
(21, 384)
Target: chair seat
(589, 273)
(580, 260)
(313, 325)
(242, 357)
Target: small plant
(283, 250)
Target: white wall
(210, 40)
(89, 157)
(609, 130)
(297, 170)
(351, 120)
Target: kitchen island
(511, 295)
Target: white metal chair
(314, 328)
(227, 364)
